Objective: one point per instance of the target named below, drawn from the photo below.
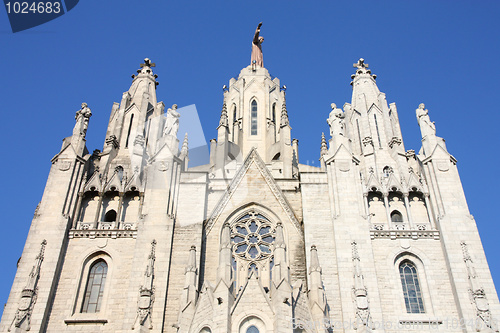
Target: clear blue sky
(442, 53)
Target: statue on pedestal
(336, 121)
(82, 120)
(427, 126)
(257, 48)
(172, 122)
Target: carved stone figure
(257, 55)
(427, 126)
(484, 318)
(82, 120)
(336, 121)
(146, 292)
(22, 319)
(172, 122)
(363, 318)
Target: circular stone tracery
(252, 236)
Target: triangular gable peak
(372, 182)
(94, 182)
(414, 183)
(374, 107)
(248, 295)
(393, 184)
(205, 301)
(134, 183)
(114, 184)
(253, 157)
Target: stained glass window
(253, 117)
(95, 287)
(411, 287)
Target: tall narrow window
(95, 287)
(274, 113)
(378, 133)
(411, 287)
(359, 137)
(253, 118)
(129, 129)
(234, 113)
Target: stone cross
(360, 64)
(148, 63)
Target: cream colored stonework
(254, 240)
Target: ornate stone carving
(112, 141)
(367, 141)
(395, 141)
(22, 319)
(336, 121)
(363, 318)
(484, 318)
(146, 292)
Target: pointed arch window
(129, 130)
(253, 118)
(411, 287)
(95, 287)
(252, 329)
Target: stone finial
(360, 64)
(185, 147)
(147, 63)
(324, 147)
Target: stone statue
(336, 121)
(82, 120)
(426, 126)
(172, 122)
(257, 48)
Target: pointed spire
(185, 147)
(284, 113)
(324, 147)
(314, 267)
(223, 116)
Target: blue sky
(441, 53)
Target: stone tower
(132, 239)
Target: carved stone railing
(104, 230)
(412, 234)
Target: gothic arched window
(252, 238)
(95, 287)
(411, 287)
(252, 329)
(396, 216)
(253, 118)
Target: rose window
(252, 237)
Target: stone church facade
(132, 239)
